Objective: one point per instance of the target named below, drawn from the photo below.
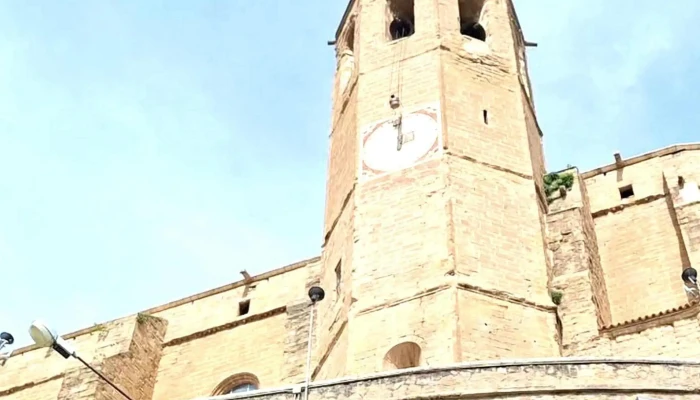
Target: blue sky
(150, 150)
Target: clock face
(400, 143)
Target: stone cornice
(486, 379)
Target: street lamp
(316, 294)
(43, 336)
(6, 339)
(690, 278)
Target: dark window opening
(338, 276)
(626, 192)
(401, 19)
(469, 19)
(474, 30)
(243, 307)
(486, 117)
(350, 37)
(403, 355)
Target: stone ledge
(530, 377)
(224, 327)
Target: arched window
(245, 387)
(238, 383)
(470, 19)
(401, 19)
(403, 355)
(350, 36)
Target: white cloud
(594, 68)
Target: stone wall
(455, 257)
(207, 342)
(523, 379)
(128, 351)
(617, 261)
(644, 239)
(577, 275)
(182, 349)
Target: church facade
(453, 264)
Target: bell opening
(474, 30)
(401, 19)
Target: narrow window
(350, 37)
(486, 117)
(626, 192)
(243, 307)
(338, 275)
(469, 19)
(401, 19)
(346, 58)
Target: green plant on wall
(556, 296)
(553, 181)
(142, 318)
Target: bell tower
(433, 249)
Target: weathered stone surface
(536, 379)
(452, 254)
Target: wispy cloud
(601, 70)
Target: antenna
(316, 294)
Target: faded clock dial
(397, 144)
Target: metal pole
(4, 355)
(308, 351)
(104, 378)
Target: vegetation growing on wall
(142, 318)
(556, 296)
(554, 181)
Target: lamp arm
(104, 378)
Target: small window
(338, 275)
(243, 307)
(470, 17)
(403, 355)
(401, 19)
(626, 192)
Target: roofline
(664, 151)
(183, 301)
(343, 19)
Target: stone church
(453, 265)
